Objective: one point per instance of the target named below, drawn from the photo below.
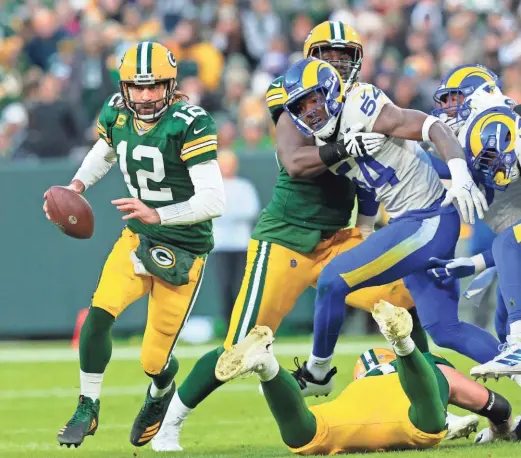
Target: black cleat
(83, 423)
(150, 418)
(309, 386)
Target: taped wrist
(331, 154)
(497, 409)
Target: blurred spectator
(232, 230)
(52, 128)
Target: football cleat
(83, 423)
(395, 323)
(506, 364)
(459, 427)
(247, 356)
(487, 435)
(150, 418)
(309, 386)
(167, 439)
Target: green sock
(96, 341)
(418, 334)
(297, 424)
(165, 377)
(201, 380)
(420, 384)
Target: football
(70, 212)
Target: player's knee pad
(444, 335)
(154, 360)
(330, 283)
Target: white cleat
(395, 323)
(167, 439)
(506, 364)
(485, 436)
(247, 356)
(459, 427)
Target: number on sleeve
(192, 110)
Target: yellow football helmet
(370, 359)
(148, 63)
(336, 36)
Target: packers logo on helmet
(148, 64)
(490, 145)
(371, 359)
(338, 44)
(314, 96)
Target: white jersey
(505, 209)
(398, 177)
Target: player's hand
(137, 210)
(360, 144)
(465, 191)
(446, 271)
(76, 185)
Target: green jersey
(302, 211)
(155, 164)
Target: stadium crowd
(59, 58)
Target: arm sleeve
(483, 261)
(208, 201)
(96, 164)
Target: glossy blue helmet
(490, 147)
(314, 78)
(456, 86)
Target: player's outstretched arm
(415, 125)
(301, 159)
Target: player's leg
(169, 308)
(437, 306)
(391, 253)
(501, 317)
(117, 288)
(274, 278)
(296, 422)
(417, 377)
(506, 249)
(396, 293)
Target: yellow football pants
(168, 306)
(276, 276)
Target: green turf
(36, 399)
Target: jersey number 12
(157, 174)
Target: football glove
(446, 271)
(465, 191)
(360, 144)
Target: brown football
(70, 212)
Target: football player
(166, 150)
(423, 219)
(491, 139)
(298, 233)
(399, 404)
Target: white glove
(359, 144)
(465, 191)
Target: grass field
(39, 389)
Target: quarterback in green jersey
(302, 228)
(166, 150)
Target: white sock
(515, 331)
(319, 367)
(404, 347)
(270, 369)
(157, 393)
(177, 409)
(90, 384)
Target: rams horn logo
(171, 59)
(162, 256)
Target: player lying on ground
(301, 229)
(394, 406)
(166, 151)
